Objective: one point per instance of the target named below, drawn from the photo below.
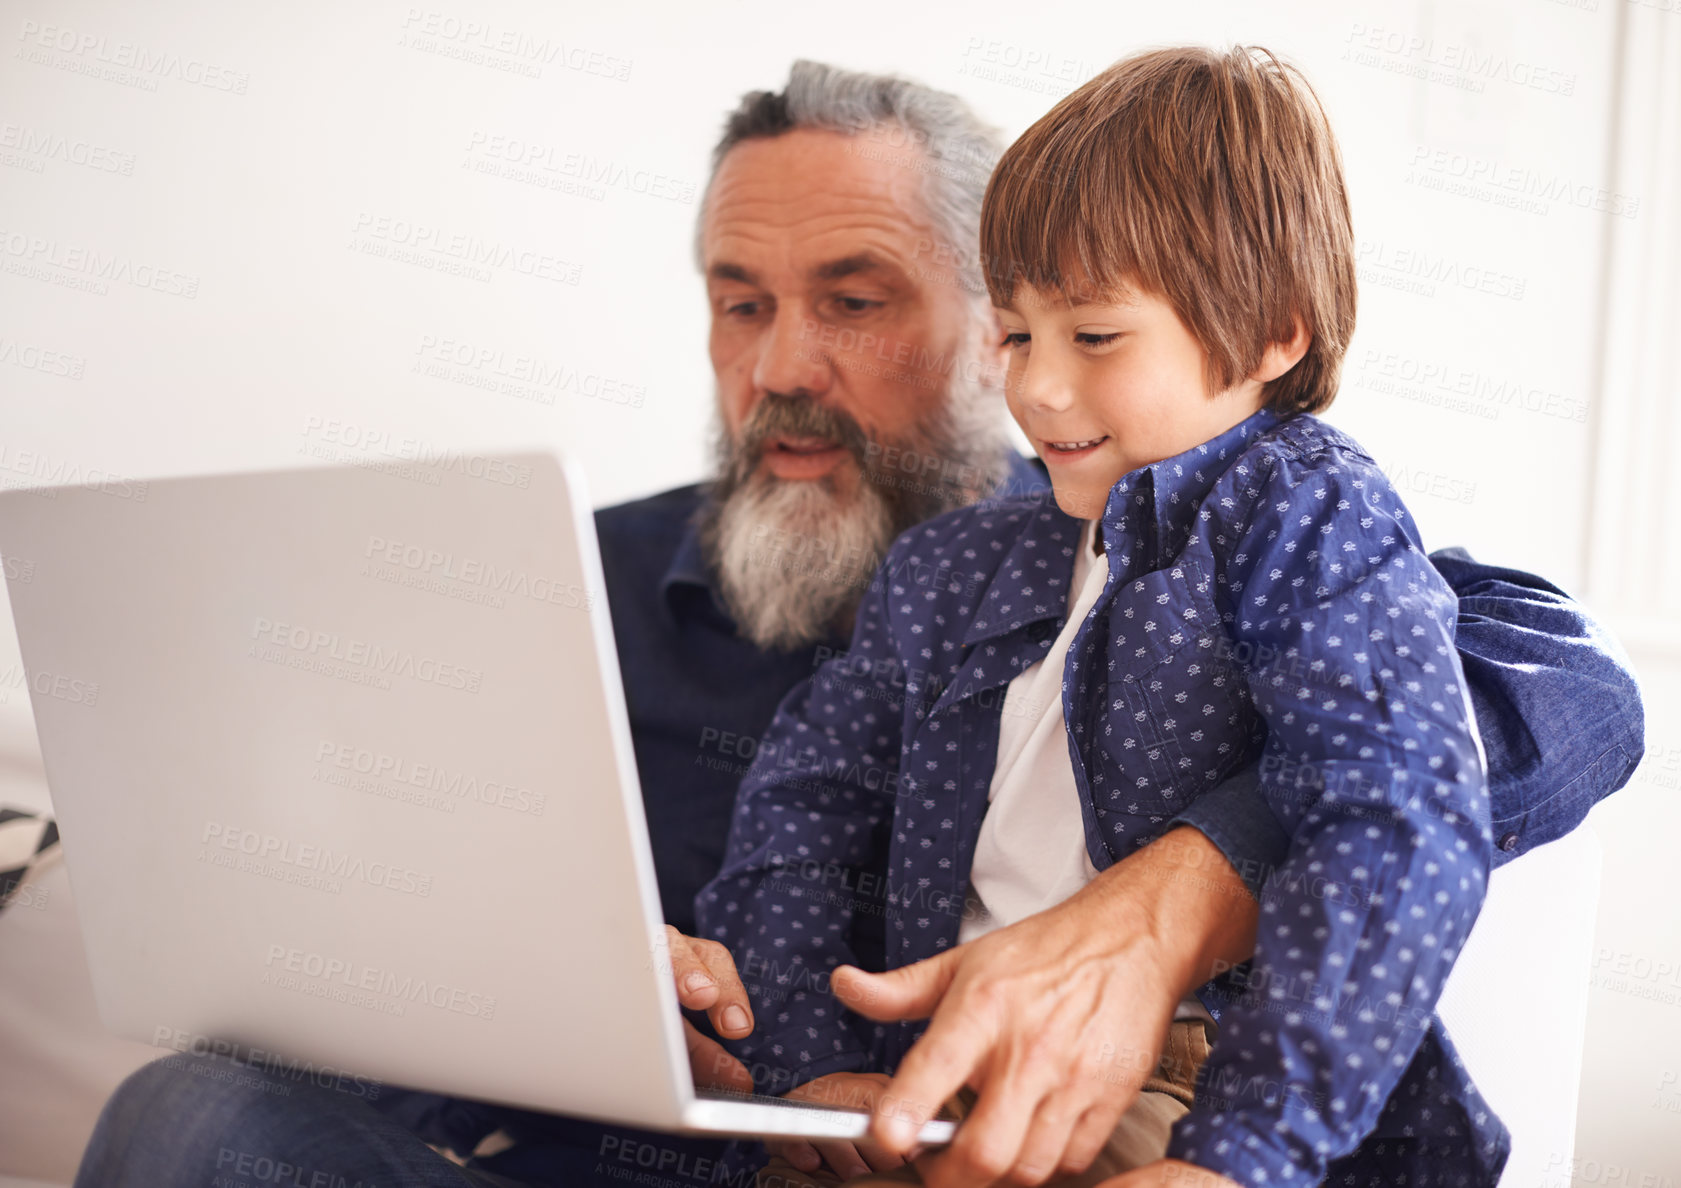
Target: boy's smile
(1103, 388)
(1072, 449)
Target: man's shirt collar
(688, 564)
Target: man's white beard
(794, 558)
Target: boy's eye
(1021, 337)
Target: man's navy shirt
(699, 695)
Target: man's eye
(857, 304)
(1095, 339)
(1014, 339)
(744, 309)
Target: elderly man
(857, 371)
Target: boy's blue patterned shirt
(1268, 598)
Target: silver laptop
(344, 775)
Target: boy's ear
(1280, 357)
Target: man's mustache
(791, 416)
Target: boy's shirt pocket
(1167, 713)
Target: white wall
(345, 116)
(277, 142)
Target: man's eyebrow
(724, 270)
(850, 266)
(853, 265)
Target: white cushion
(60, 1063)
(1516, 1004)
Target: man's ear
(991, 330)
(1280, 357)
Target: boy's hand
(1170, 1173)
(704, 973)
(1058, 1020)
(846, 1159)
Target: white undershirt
(1031, 854)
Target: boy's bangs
(1036, 230)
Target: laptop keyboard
(765, 1099)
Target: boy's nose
(1046, 387)
(791, 358)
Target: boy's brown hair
(1209, 179)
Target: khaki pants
(1140, 1136)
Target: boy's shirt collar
(1032, 583)
(1150, 508)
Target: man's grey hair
(959, 149)
(793, 558)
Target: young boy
(1223, 576)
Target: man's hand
(1058, 1020)
(706, 980)
(845, 1158)
(1170, 1173)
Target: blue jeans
(204, 1120)
(201, 1120)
